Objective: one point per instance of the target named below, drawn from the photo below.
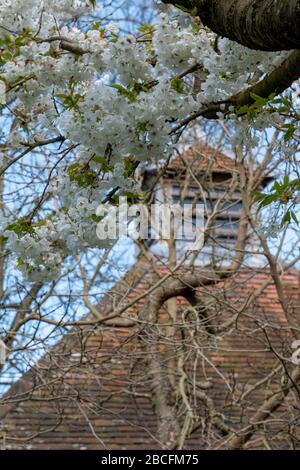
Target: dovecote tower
(204, 177)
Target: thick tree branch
(276, 82)
(239, 439)
(267, 25)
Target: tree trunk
(268, 25)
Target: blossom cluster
(116, 99)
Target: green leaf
(105, 166)
(290, 131)
(242, 110)
(177, 84)
(191, 11)
(268, 200)
(286, 181)
(130, 94)
(120, 88)
(286, 218)
(21, 227)
(276, 186)
(129, 164)
(82, 174)
(142, 126)
(295, 184)
(2, 239)
(97, 26)
(21, 262)
(294, 217)
(72, 100)
(258, 196)
(146, 29)
(96, 218)
(259, 102)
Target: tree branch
(237, 440)
(275, 82)
(267, 25)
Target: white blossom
(114, 100)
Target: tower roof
(201, 159)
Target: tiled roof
(202, 158)
(99, 397)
